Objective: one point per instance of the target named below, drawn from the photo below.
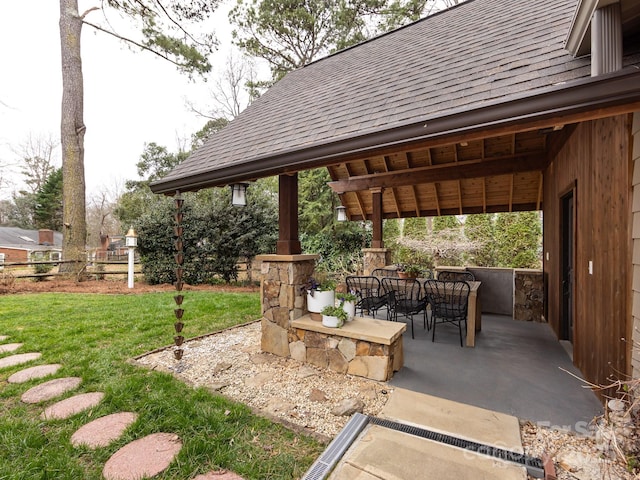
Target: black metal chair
(448, 301)
(405, 298)
(456, 276)
(371, 296)
(385, 272)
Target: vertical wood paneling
(596, 158)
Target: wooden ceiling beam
(441, 173)
(363, 212)
(540, 191)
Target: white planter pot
(331, 321)
(319, 300)
(350, 308)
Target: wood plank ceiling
(496, 174)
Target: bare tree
(38, 156)
(100, 216)
(234, 89)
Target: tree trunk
(72, 130)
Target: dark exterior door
(567, 252)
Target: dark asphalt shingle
(479, 51)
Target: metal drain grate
(334, 452)
(534, 466)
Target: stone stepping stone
(9, 347)
(219, 475)
(71, 406)
(104, 430)
(143, 458)
(32, 373)
(3, 337)
(18, 359)
(51, 389)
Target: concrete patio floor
(517, 368)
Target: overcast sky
(130, 97)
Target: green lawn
(93, 337)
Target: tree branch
(133, 42)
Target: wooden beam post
(288, 240)
(376, 198)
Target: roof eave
(583, 95)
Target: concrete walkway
(383, 453)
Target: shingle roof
(21, 238)
(477, 52)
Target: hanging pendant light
(342, 213)
(239, 194)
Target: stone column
(282, 298)
(375, 258)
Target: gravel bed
(303, 396)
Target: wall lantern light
(342, 213)
(239, 194)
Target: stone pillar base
(375, 258)
(282, 297)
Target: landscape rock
(348, 407)
(317, 395)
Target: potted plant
(348, 303)
(410, 271)
(320, 293)
(333, 317)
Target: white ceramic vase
(320, 299)
(330, 321)
(350, 308)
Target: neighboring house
(20, 245)
(492, 105)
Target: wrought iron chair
(456, 276)
(385, 272)
(405, 298)
(371, 297)
(448, 301)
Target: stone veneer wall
(282, 297)
(346, 355)
(635, 335)
(528, 295)
(375, 258)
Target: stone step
(9, 347)
(104, 430)
(31, 373)
(3, 338)
(142, 458)
(51, 389)
(18, 359)
(71, 406)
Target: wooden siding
(635, 360)
(596, 160)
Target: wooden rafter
(440, 173)
(414, 192)
(385, 162)
(484, 195)
(435, 195)
(511, 193)
(363, 212)
(540, 191)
